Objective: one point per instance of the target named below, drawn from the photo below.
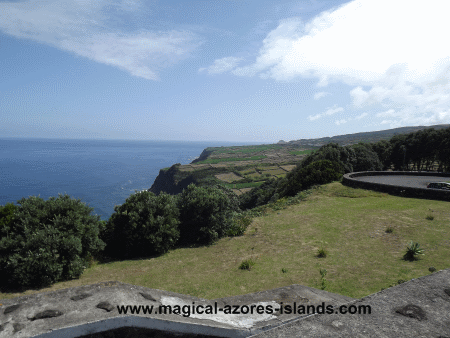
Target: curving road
(403, 180)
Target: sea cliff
(169, 182)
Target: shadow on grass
(104, 258)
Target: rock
(105, 306)
(412, 311)
(12, 308)
(166, 182)
(148, 296)
(47, 314)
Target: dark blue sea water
(102, 173)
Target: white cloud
(222, 65)
(388, 113)
(84, 28)
(338, 122)
(359, 117)
(378, 47)
(319, 95)
(329, 111)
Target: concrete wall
(436, 194)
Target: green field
(349, 223)
(219, 160)
(247, 149)
(301, 152)
(243, 185)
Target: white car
(439, 185)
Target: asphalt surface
(403, 180)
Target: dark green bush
(260, 195)
(144, 225)
(47, 241)
(205, 213)
(238, 225)
(316, 173)
(333, 152)
(365, 158)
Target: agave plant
(413, 249)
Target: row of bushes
(301, 178)
(42, 242)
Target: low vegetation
(232, 159)
(289, 234)
(44, 242)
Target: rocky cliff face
(203, 156)
(167, 181)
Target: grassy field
(301, 152)
(243, 185)
(232, 159)
(349, 223)
(247, 149)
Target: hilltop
(242, 168)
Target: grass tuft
(247, 264)
(412, 251)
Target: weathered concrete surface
(403, 180)
(83, 310)
(417, 308)
(403, 183)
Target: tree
(398, 151)
(47, 241)
(316, 173)
(260, 195)
(365, 158)
(205, 214)
(332, 152)
(382, 149)
(144, 225)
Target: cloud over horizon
(375, 44)
(328, 112)
(86, 29)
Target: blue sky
(225, 70)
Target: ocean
(102, 173)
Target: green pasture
(350, 225)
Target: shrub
(389, 230)
(430, 217)
(238, 225)
(260, 195)
(365, 158)
(144, 225)
(413, 249)
(321, 253)
(315, 173)
(247, 264)
(47, 241)
(206, 213)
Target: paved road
(403, 180)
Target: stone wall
(435, 194)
